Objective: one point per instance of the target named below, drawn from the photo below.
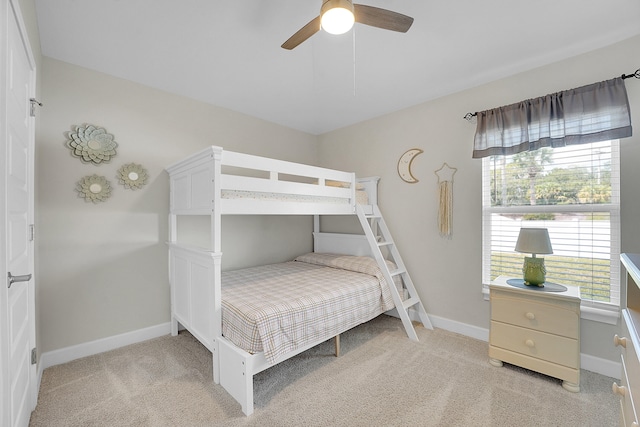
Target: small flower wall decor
(132, 176)
(92, 144)
(94, 188)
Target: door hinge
(34, 102)
(32, 232)
(34, 356)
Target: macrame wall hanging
(445, 207)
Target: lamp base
(534, 271)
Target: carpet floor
(381, 379)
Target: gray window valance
(596, 112)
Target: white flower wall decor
(92, 144)
(132, 176)
(94, 188)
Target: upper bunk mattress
(279, 308)
(361, 197)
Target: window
(573, 191)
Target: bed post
(216, 219)
(237, 376)
(173, 237)
(216, 316)
(216, 231)
(371, 187)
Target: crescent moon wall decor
(404, 165)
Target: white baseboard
(600, 366)
(588, 362)
(56, 357)
(471, 331)
(448, 325)
(67, 354)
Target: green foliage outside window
(528, 178)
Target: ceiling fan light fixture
(337, 16)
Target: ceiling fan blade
(303, 33)
(382, 18)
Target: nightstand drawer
(542, 316)
(628, 409)
(631, 363)
(553, 348)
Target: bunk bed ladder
(379, 237)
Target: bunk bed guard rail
(236, 182)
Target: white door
(18, 302)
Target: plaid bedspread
(281, 307)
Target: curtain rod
(628, 76)
(636, 74)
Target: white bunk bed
(215, 182)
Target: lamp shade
(534, 241)
(337, 16)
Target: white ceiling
(228, 53)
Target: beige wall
(102, 271)
(447, 272)
(102, 268)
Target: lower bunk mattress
(279, 308)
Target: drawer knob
(622, 341)
(530, 316)
(618, 389)
(530, 343)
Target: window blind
(574, 192)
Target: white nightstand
(537, 330)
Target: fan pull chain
(354, 60)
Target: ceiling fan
(338, 16)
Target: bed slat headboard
(338, 243)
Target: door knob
(11, 279)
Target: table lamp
(534, 241)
